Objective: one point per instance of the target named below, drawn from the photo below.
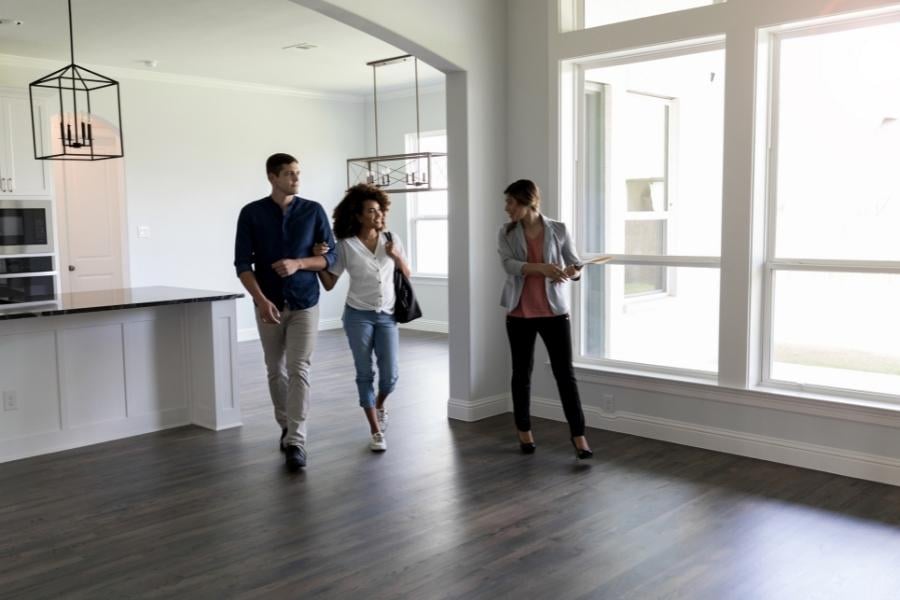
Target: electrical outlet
(10, 400)
(143, 231)
(607, 403)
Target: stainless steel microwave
(26, 227)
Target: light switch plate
(10, 400)
(143, 231)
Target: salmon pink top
(533, 302)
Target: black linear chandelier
(80, 92)
(399, 173)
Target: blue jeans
(369, 331)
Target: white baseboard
(810, 456)
(55, 441)
(475, 410)
(328, 324)
(427, 325)
(248, 334)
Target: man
(273, 256)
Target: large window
(753, 217)
(651, 142)
(427, 215)
(833, 247)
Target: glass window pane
(429, 204)
(676, 327)
(603, 12)
(646, 194)
(644, 279)
(653, 137)
(643, 135)
(645, 237)
(837, 330)
(838, 190)
(429, 141)
(431, 247)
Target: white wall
(195, 154)
(216, 168)
(396, 118)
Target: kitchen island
(96, 366)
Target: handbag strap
(387, 234)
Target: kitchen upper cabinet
(21, 176)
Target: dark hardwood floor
(452, 510)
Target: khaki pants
(287, 347)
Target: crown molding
(27, 62)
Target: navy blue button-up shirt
(265, 235)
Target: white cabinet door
(25, 176)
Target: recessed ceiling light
(300, 46)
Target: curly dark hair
(346, 223)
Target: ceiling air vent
(300, 46)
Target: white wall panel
(28, 369)
(92, 377)
(154, 366)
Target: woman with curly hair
(369, 256)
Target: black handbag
(406, 307)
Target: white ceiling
(237, 40)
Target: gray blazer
(558, 250)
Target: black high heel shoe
(579, 453)
(527, 447)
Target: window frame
(670, 106)
(572, 14)
(581, 156)
(413, 218)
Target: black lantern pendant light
(84, 97)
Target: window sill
(834, 407)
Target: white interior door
(90, 205)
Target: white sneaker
(378, 444)
(382, 416)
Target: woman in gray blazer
(539, 258)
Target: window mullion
(737, 209)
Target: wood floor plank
(452, 510)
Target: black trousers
(557, 335)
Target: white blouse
(371, 274)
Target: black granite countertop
(82, 302)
